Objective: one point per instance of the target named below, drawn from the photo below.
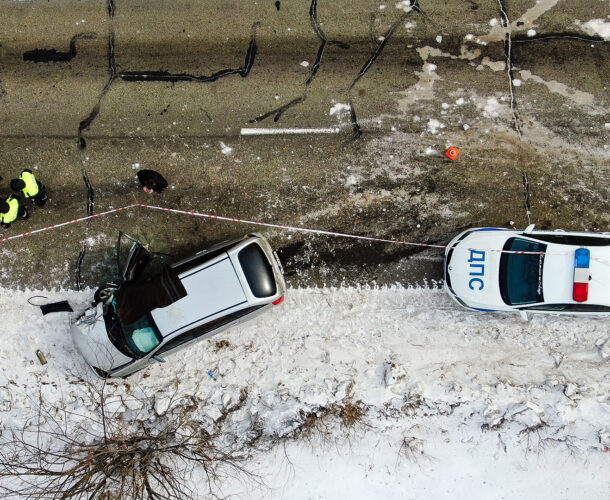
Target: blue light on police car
(582, 257)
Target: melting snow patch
(409, 25)
(531, 32)
(469, 37)
(439, 39)
(492, 108)
(352, 180)
(434, 125)
(517, 82)
(226, 150)
(607, 126)
(595, 27)
(338, 108)
(460, 101)
(430, 151)
(406, 5)
(493, 22)
(465, 126)
(135, 166)
(305, 64)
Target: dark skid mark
(90, 193)
(315, 26)
(84, 124)
(53, 55)
(558, 36)
(415, 6)
(111, 61)
(278, 112)
(79, 261)
(503, 13)
(357, 131)
(317, 29)
(110, 5)
(277, 5)
(165, 76)
(510, 65)
(526, 193)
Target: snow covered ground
(457, 404)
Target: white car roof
(558, 274)
(211, 289)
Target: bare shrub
(412, 448)
(350, 413)
(221, 344)
(104, 456)
(534, 441)
(319, 421)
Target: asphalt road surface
(100, 89)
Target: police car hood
(91, 340)
(474, 268)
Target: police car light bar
(580, 292)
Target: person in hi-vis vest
(10, 210)
(31, 188)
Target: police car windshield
(521, 274)
(138, 338)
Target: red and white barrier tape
(55, 226)
(277, 226)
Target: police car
(557, 272)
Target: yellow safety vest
(31, 186)
(12, 213)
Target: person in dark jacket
(31, 188)
(151, 181)
(10, 209)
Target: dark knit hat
(4, 207)
(17, 184)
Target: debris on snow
(404, 5)
(226, 150)
(338, 109)
(434, 125)
(493, 108)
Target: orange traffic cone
(452, 153)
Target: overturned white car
(138, 321)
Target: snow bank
(458, 404)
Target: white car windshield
(139, 338)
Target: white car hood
(91, 340)
(474, 269)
